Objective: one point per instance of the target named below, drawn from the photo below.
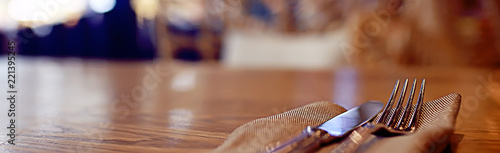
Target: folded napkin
(435, 127)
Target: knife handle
(309, 140)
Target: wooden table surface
(73, 105)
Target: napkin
(435, 127)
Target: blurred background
(283, 34)
(213, 65)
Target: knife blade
(335, 128)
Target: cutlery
(334, 129)
(396, 123)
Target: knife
(334, 129)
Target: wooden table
(67, 105)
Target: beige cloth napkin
(435, 127)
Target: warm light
(25, 10)
(102, 6)
(145, 9)
(45, 12)
(6, 22)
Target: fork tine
(416, 112)
(394, 117)
(388, 106)
(406, 110)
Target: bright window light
(102, 6)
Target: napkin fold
(435, 127)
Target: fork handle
(308, 141)
(352, 143)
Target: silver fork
(398, 121)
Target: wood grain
(72, 105)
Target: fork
(395, 122)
